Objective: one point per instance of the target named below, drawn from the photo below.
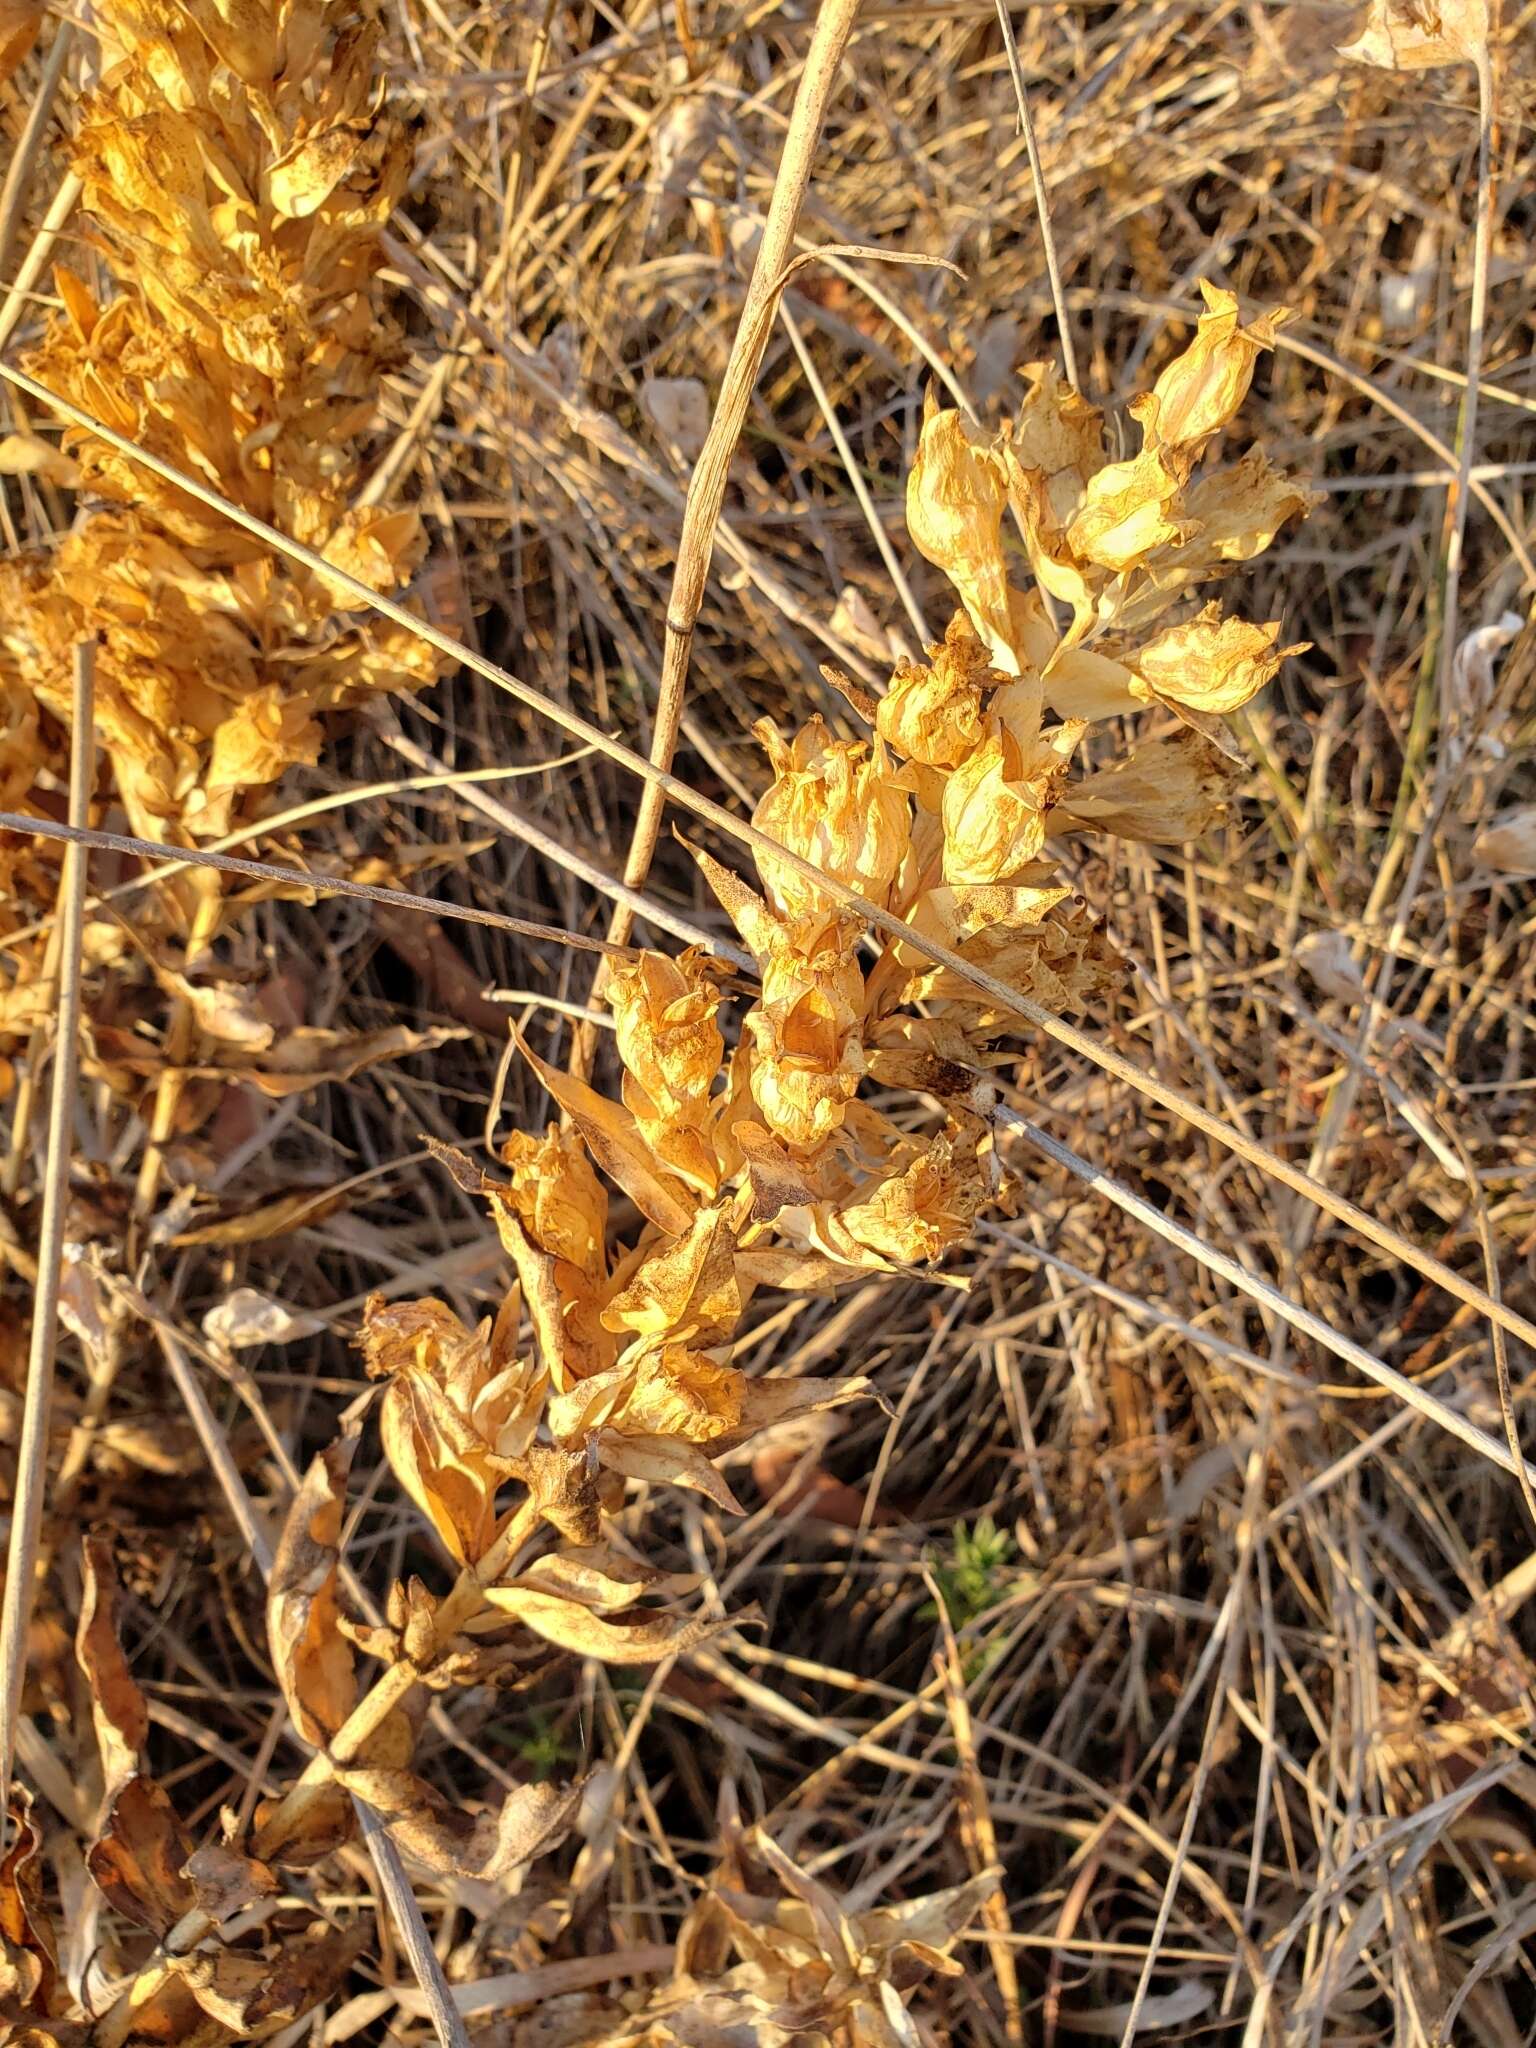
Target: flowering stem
(396, 1685)
(180, 1039)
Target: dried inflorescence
(829, 1115)
(789, 1148)
(238, 168)
(771, 1957)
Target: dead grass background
(1234, 1677)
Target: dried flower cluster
(238, 168)
(770, 1957)
(830, 1117)
(800, 1154)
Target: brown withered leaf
(276, 1216)
(563, 1487)
(227, 1882)
(326, 1823)
(304, 1974)
(253, 1996)
(312, 1657)
(138, 1858)
(28, 1959)
(312, 1058)
(596, 1575)
(664, 1461)
(117, 1705)
(614, 1139)
(495, 1847)
(571, 1625)
(1415, 35)
(20, 21)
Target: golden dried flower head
(1128, 509)
(667, 1391)
(559, 1200)
(995, 803)
(837, 804)
(934, 715)
(458, 1413)
(770, 1955)
(1059, 437)
(1200, 390)
(805, 1034)
(664, 1020)
(685, 1290)
(1211, 663)
(926, 1202)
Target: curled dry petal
(1169, 791)
(686, 1289)
(926, 1203)
(957, 494)
(1129, 509)
(117, 1705)
(455, 1416)
(934, 715)
(1415, 35)
(1211, 663)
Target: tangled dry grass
(1129, 1586)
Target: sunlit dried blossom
(1167, 792)
(1211, 663)
(836, 804)
(238, 169)
(934, 715)
(805, 1031)
(995, 803)
(771, 1956)
(459, 1411)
